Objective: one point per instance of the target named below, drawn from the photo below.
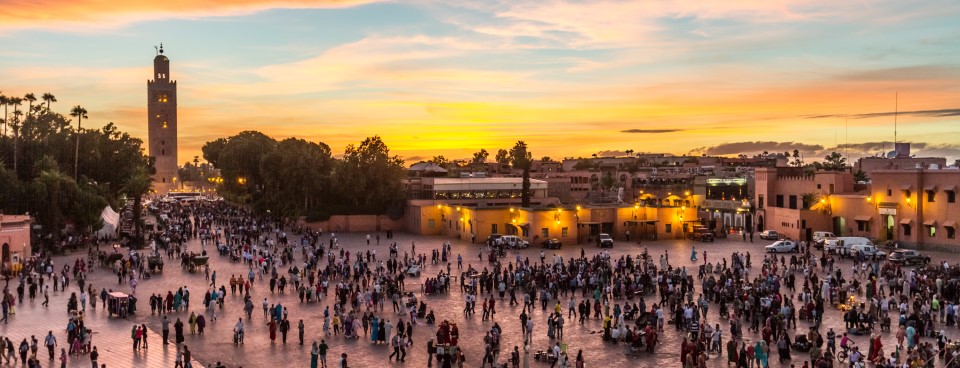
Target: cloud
(754, 147)
(870, 147)
(922, 113)
(652, 131)
(105, 13)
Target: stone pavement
(112, 334)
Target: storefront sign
(730, 181)
(888, 211)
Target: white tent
(111, 220)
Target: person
(51, 342)
(314, 355)
(63, 357)
(93, 357)
(431, 351)
(165, 323)
(300, 327)
(343, 361)
(693, 254)
(322, 350)
(580, 361)
(515, 357)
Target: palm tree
(80, 113)
(137, 186)
(4, 100)
(31, 98)
(521, 159)
(16, 137)
(48, 98)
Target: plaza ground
(112, 335)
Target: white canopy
(111, 220)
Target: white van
(819, 237)
(843, 244)
(869, 251)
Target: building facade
(796, 203)
(162, 124)
(14, 240)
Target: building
(724, 202)
(14, 240)
(897, 159)
(913, 207)
(571, 225)
(796, 203)
(480, 192)
(162, 124)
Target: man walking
(165, 323)
(51, 342)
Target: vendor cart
(120, 304)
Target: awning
(930, 223)
(862, 218)
(950, 223)
(930, 188)
(906, 221)
(905, 186)
(950, 188)
(588, 223)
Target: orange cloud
(105, 13)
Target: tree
(31, 98)
(369, 180)
(80, 113)
(834, 162)
(521, 159)
(296, 178)
(608, 181)
(137, 185)
(583, 164)
(480, 156)
(860, 176)
(440, 160)
(545, 159)
(48, 98)
(211, 151)
(503, 157)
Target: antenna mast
(896, 105)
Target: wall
(357, 223)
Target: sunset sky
(571, 78)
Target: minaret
(162, 124)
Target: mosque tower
(162, 124)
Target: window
(906, 230)
(951, 196)
(863, 225)
(818, 186)
(930, 195)
(163, 180)
(668, 228)
(760, 201)
(951, 233)
(563, 232)
(793, 202)
(545, 232)
(780, 200)
(431, 223)
(493, 228)
(932, 230)
(163, 152)
(908, 193)
(163, 143)
(889, 193)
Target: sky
(571, 78)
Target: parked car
(605, 241)
(552, 243)
(414, 270)
(701, 234)
(769, 235)
(782, 246)
(514, 241)
(908, 257)
(494, 239)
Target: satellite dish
(891, 154)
